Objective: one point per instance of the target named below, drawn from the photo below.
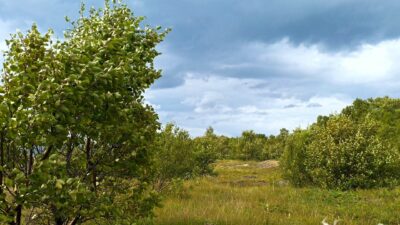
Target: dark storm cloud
(201, 23)
(206, 32)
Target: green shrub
(293, 159)
(341, 153)
(177, 156)
(275, 145)
(346, 154)
(250, 146)
(216, 147)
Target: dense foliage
(178, 157)
(75, 134)
(358, 148)
(248, 146)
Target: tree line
(356, 148)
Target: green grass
(246, 193)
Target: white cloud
(231, 105)
(369, 63)
(6, 28)
(311, 81)
(168, 60)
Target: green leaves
(348, 150)
(178, 157)
(69, 109)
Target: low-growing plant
(178, 157)
(345, 154)
(341, 153)
(293, 160)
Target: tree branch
(47, 153)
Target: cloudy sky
(237, 65)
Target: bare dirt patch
(268, 164)
(246, 183)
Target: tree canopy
(75, 134)
(358, 148)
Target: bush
(341, 153)
(178, 157)
(216, 147)
(293, 159)
(275, 145)
(250, 146)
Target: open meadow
(253, 193)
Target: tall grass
(247, 193)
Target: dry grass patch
(245, 193)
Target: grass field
(252, 193)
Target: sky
(252, 65)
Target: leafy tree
(345, 154)
(209, 147)
(178, 157)
(275, 145)
(250, 145)
(386, 111)
(173, 156)
(357, 148)
(293, 160)
(75, 134)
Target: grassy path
(253, 193)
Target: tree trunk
(58, 218)
(19, 215)
(69, 155)
(90, 166)
(30, 162)
(59, 221)
(47, 153)
(1, 161)
(75, 220)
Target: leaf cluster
(75, 133)
(357, 148)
